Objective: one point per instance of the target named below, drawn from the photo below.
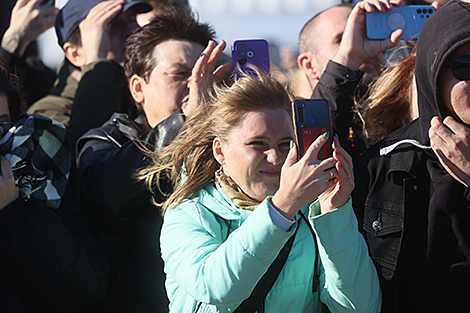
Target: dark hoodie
(415, 216)
(447, 259)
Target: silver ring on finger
(331, 175)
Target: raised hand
(450, 140)
(95, 28)
(204, 75)
(338, 195)
(304, 180)
(28, 20)
(355, 47)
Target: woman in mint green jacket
(240, 195)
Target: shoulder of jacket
(52, 102)
(118, 130)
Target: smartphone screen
(311, 119)
(250, 51)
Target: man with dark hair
(93, 35)
(168, 68)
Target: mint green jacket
(203, 265)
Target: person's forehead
(176, 49)
(333, 21)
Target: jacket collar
(213, 198)
(405, 157)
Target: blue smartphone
(250, 51)
(312, 118)
(410, 18)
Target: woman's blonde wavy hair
(387, 104)
(188, 161)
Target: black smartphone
(410, 18)
(250, 51)
(312, 118)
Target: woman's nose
(274, 156)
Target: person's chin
(269, 188)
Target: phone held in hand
(312, 118)
(410, 18)
(250, 51)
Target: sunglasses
(460, 67)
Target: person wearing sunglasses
(412, 195)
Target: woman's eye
(256, 143)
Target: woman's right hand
(8, 190)
(304, 180)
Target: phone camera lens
(425, 11)
(299, 105)
(241, 48)
(419, 11)
(250, 54)
(241, 60)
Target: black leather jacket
(121, 210)
(338, 85)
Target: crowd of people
(142, 177)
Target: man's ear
(74, 54)
(217, 150)
(308, 63)
(136, 86)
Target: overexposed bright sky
(278, 21)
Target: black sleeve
(52, 256)
(100, 93)
(338, 85)
(106, 172)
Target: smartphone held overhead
(312, 118)
(250, 51)
(409, 18)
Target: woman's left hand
(338, 195)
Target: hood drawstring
(387, 150)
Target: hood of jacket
(445, 31)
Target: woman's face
(255, 151)
(4, 110)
